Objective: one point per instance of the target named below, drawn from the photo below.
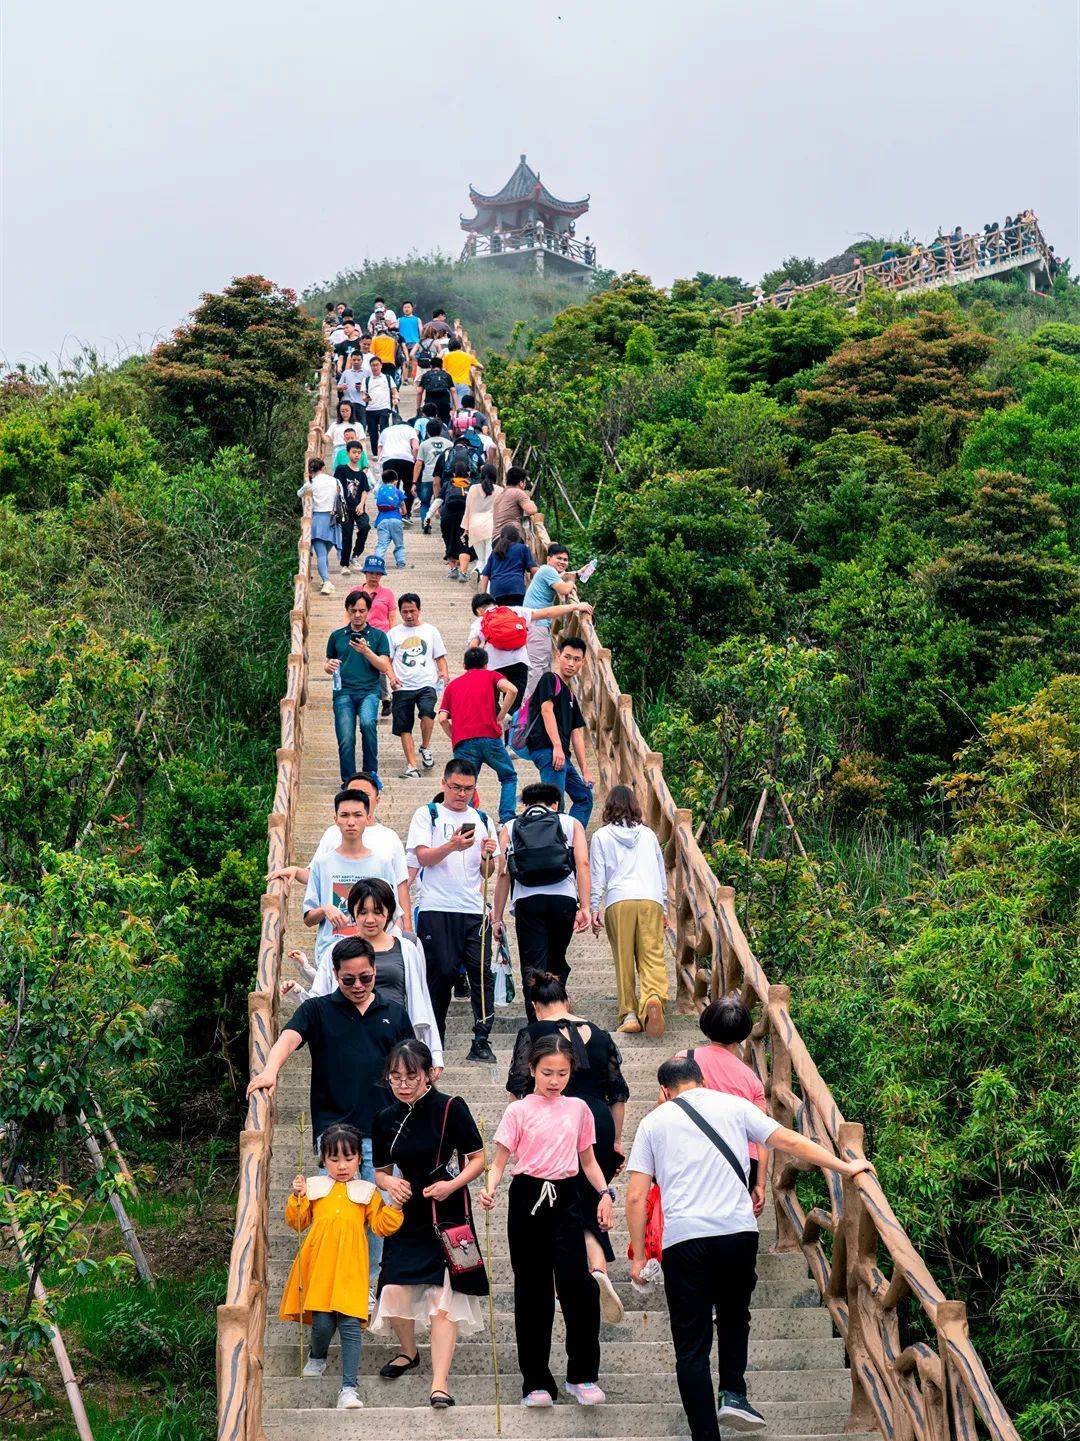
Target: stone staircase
(797, 1374)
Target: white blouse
(323, 489)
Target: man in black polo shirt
(349, 1033)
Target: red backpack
(503, 628)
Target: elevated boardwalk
(842, 1270)
(947, 262)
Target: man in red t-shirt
(473, 720)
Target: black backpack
(462, 451)
(539, 853)
(436, 382)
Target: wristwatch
(610, 1191)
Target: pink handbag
(459, 1242)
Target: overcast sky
(152, 152)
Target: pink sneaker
(585, 1393)
(538, 1398)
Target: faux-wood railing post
(860, 1252)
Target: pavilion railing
(865, 1265)
(530, 237)
(241, 1321)
(948, 261)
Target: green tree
(242, 356)
(915, 385)
(773, 346)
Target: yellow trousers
(635, 930)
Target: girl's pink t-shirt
(546, 1136)
(725, 1072)
(380, 604)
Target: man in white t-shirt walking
(418, 656)
(377, 837)
(696, 1147)
(456, 848)
(544, 870)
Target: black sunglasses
(364, 980)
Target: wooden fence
(241, 1321)
(923, 1391)
(950, 260)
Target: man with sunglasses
(349, 1034)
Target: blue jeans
(388, 529)
(569, 782)
(322, 549)
(323, 1325)
(425, 490)
(375, 1243)
(348, 709)
(485, 750)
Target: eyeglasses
(364, 980)
(464, 790)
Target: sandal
(392, 1371)
(441, 1400)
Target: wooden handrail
(944, 262)
(925, 1392)
(241, 1321)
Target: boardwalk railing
(241, 1321)
(869, 1271)
(948, 261)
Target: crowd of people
(405, 923)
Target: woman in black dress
(426, 1149)
(596, 1079)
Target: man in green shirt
(357, 655)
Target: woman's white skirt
(419, 1303)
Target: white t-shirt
(386, 316)
(455, 883)
(378, 391)
(332, 878)
(497, 658)
(396, 442)
(487, 441)
(378, 838)
(566, 887)
(339, 427)
(699, 1190)
(414, 651)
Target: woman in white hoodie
(629, 883)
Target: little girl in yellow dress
(330, 1276)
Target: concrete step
(653, 1358)
(785, 1418)
(638, 1389)
(788, 1322)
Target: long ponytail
(508, 536)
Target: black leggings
(547, 1252)
(450, 518)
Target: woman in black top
(426, 1149)
(596, 1079)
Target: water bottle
(335, 679)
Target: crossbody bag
(717, 1140)
(459, 1242)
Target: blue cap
(375, 565)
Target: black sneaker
(481, 1051)
(385, 709)
(461, 988)
(736, 1412)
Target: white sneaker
(348, 1400)
(410, 773)
(356, 564)
(538, 1399)
(313, 1366)
(611, 1306)
(327, 589)
(427, 759)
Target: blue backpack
(388, 499)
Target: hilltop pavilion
(524, 227)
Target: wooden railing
(241, 1321)
(948, 261)
(928, 1391)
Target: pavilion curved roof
(524, 184)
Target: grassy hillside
(496, 308)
